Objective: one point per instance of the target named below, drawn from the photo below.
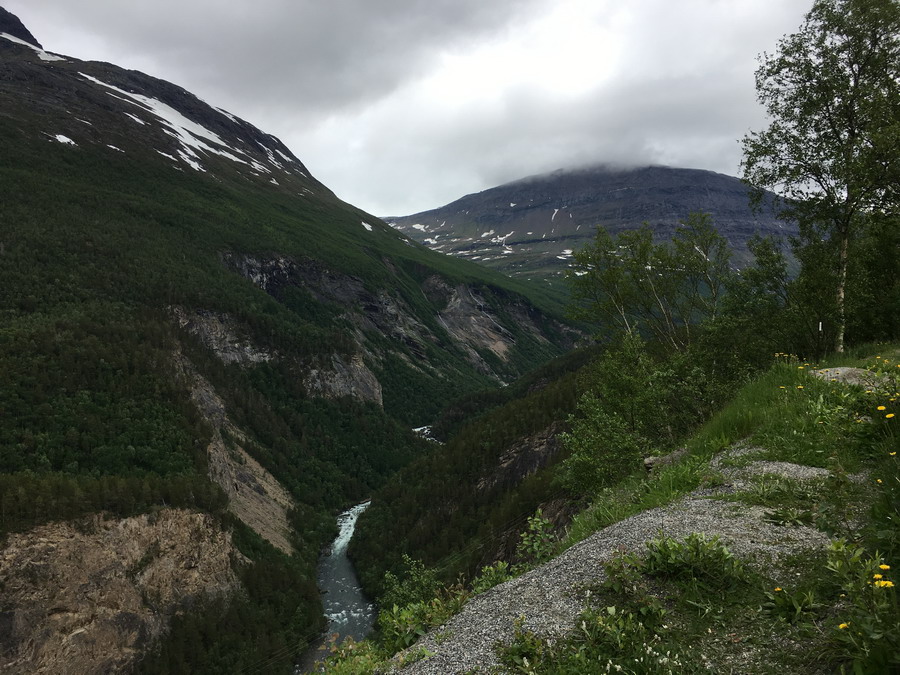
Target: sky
(400, 106)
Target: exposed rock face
(10, 24)
(523, 459)
(468, 319)
(89, 599)
(254, 495)
(222, 335)
(345, 377)
(379, 311)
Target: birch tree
(832, 148)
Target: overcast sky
(404, 105)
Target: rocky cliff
(88, 597)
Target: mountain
(529, 228)
(205, 355)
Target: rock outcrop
(88, 598)
(523, 459)
(254, 495)
(344, 377)
(221, 333)
(471, 324)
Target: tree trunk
(843, 260)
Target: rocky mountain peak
(11, 25)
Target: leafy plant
(791, 606)
(491, 575)
(790, 516)
(698, 561)
(867, 633)
(538, 543)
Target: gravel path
(550, 597)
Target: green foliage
(401, 627)
(601, 446)
(444, 508)
(353, 658)
(265, 626)
(538, 543)
(608, 640)
(490, 576)
(415, 585)
(628, 284)
(699, 562)
(868, 631)
(791, 606)
(634, 405)
(832, 99)
(28, 499)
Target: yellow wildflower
(885, 567)
(884, 584)
(843, 626)
(799, 386)
(877, 576)
(889, 415)
(881, 407)
(777, 588)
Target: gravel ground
(549, 598)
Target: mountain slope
(191, 321)
(530, 227)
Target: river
(349, 612)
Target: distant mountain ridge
(530, 227)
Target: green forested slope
(100, 245)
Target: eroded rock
(90, 599)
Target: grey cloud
(339, 82)
(315, 56)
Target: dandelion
(878, 480)
(877, 576)
(884, 584)
(843, 626)
(777, 588)
(799, 386)
(881, 407)
(781, 387)
(889, 416)
(800, 367)
(892, 453)
(886, 567)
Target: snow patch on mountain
(65, 140)
(42, 55)
(192, 136)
